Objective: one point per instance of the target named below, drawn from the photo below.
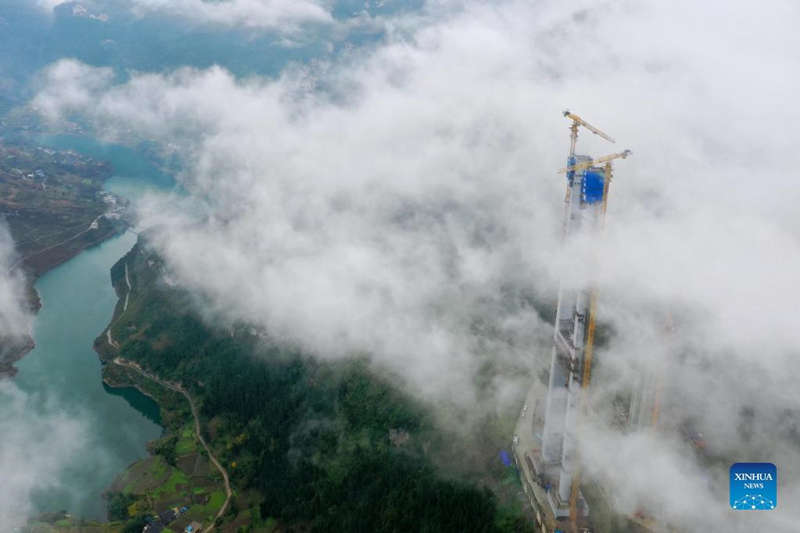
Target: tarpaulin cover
(592, 190)
(504, 457)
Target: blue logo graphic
(754, 486)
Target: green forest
(325, 446)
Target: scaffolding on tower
(549, 460)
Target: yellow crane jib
(592, 162)
(576, 120)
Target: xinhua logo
(754, 486)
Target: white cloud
(37, 440)
(49, 5)
(15, 320)
(273, 14)
(281, 16)
(33, 442)
(400, 202)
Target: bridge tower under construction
(545, 445)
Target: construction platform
(539, 482)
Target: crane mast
(545, 444)
(589, 179)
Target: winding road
(93, 226)
(178, 388)
(127, 294)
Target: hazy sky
(402, 201)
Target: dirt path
(111, 341)
(178, 388)
(93, 225)
(127, 294)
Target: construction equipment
(571, 170)
(577, 167)
(578, 121)
(546, 446)
(585, 380)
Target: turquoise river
(64, 370)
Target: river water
(64, 370)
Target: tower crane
(573, 138)
(589, 346)
(578, 121)
(577, 167)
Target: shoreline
(36, 261)
(14, 354)
(178, 388)
(107, 350)
(58, 255)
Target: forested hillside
(309, 445)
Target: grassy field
(187, 443)
(179, 473)
(60, 522)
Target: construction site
(545, 441)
